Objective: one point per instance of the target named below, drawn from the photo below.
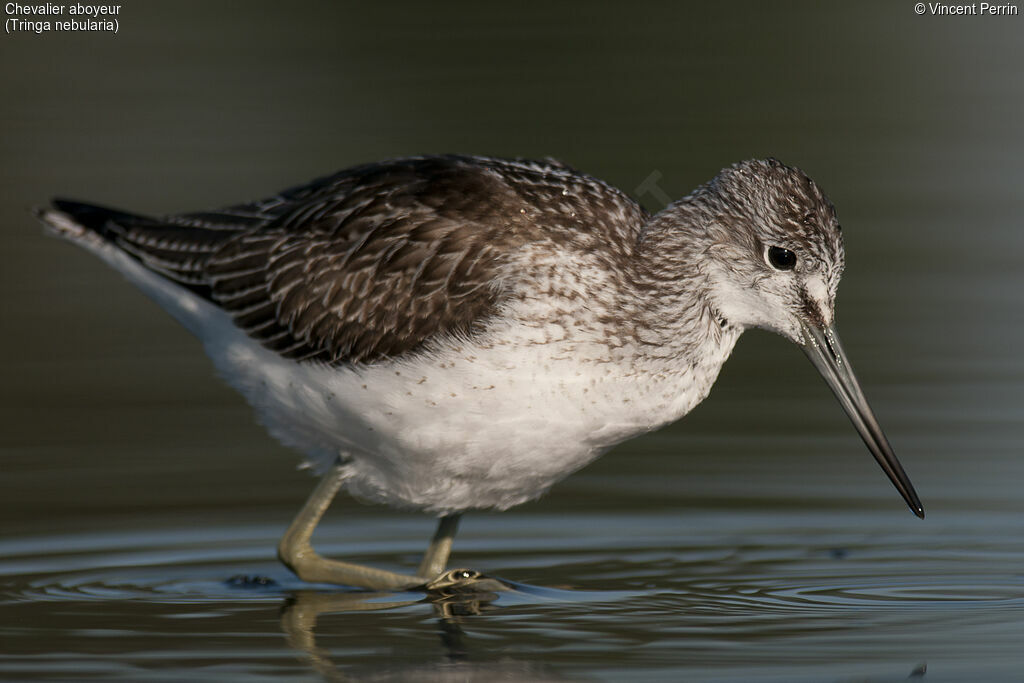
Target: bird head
(774, 250)
(767, 243)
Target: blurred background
(113, 422)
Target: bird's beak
(823, 348)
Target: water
(755, 540)
(698, 595)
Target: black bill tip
(823, 348)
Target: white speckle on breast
(535, 397)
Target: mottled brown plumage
(375, 261)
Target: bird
(445, 333)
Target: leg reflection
(300, 613)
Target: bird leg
(296, 550)
(452, 581)
(436, 558)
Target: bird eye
(781, 259)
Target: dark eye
(781, 259)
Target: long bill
(822, 346)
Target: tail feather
(133, 245)
(176, 252)
(101, 220)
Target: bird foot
(456, 581)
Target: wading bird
(447, 333)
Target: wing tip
(82, 221)
(58, 222)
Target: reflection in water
(450, 604)
(465, 595)
(301, 611)
(744, 595)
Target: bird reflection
(452, 604)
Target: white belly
(478, 428)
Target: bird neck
(677, 340)
(673, 285)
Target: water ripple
(723, 574)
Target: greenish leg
(435, 560)
(296, 550)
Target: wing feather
(373, 262)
